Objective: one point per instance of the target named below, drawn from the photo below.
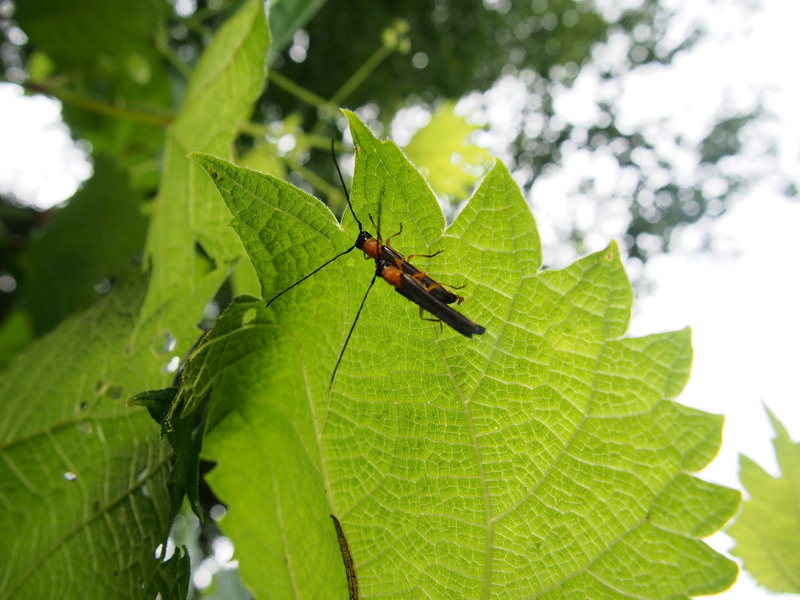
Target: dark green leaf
(84, 477)
(83, 31)
(83, 246)
(174, 575)
(159, 403)
(185, 435)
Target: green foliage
(447, 52)
(110, 62)
(118, 69)
(767, 532)
(83, 245)
(84, 476)
(86, 479)
(466, 49)
(544, 457)
(286, 17)
(55, 27)
(188, 211)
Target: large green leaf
(545, 458)
(83, 476)
(221, 92)
(767, 532)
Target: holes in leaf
(103, 286)
(218, 512)
(249, 316)
(172, 365)
(169, 342)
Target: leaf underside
(542, 459)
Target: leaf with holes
(545, 458)
(83, 477)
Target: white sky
(743, 312)
(743, 306)
(39, 162)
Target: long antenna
(327, 262)
(344, 187)
(322, 266)
(352, 327)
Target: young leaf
(544, 458)
(767, 532)
(442, 150)
(83, 475)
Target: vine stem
(97, 106)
